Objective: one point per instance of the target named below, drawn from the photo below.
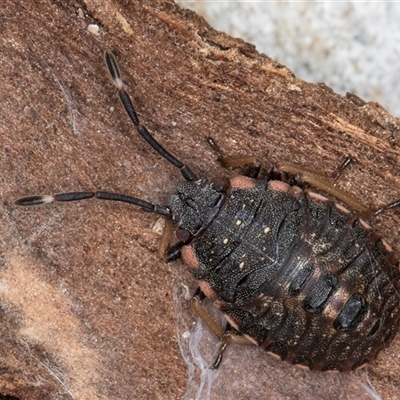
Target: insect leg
(322, 183)
(226, 337)
(390, 206)
(165, 239)
(345, 163)
(232, 162)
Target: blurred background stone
(351, 46)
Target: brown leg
(322, 183)
(346, 162)
(165, 239)
(224, 336)
(232, 162)
(301, 175)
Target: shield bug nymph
(294, 272)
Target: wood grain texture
(86, 305)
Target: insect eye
(182, 235)
(219, 184)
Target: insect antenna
(112, 66)
(186, 172)
(76, 196)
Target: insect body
(296, 273)
(299, 276)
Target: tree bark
(88, 309)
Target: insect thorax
(195, 205)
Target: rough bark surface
(87, 308)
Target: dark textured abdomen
(300, 276)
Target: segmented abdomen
(299, 275)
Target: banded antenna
(186, 172)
